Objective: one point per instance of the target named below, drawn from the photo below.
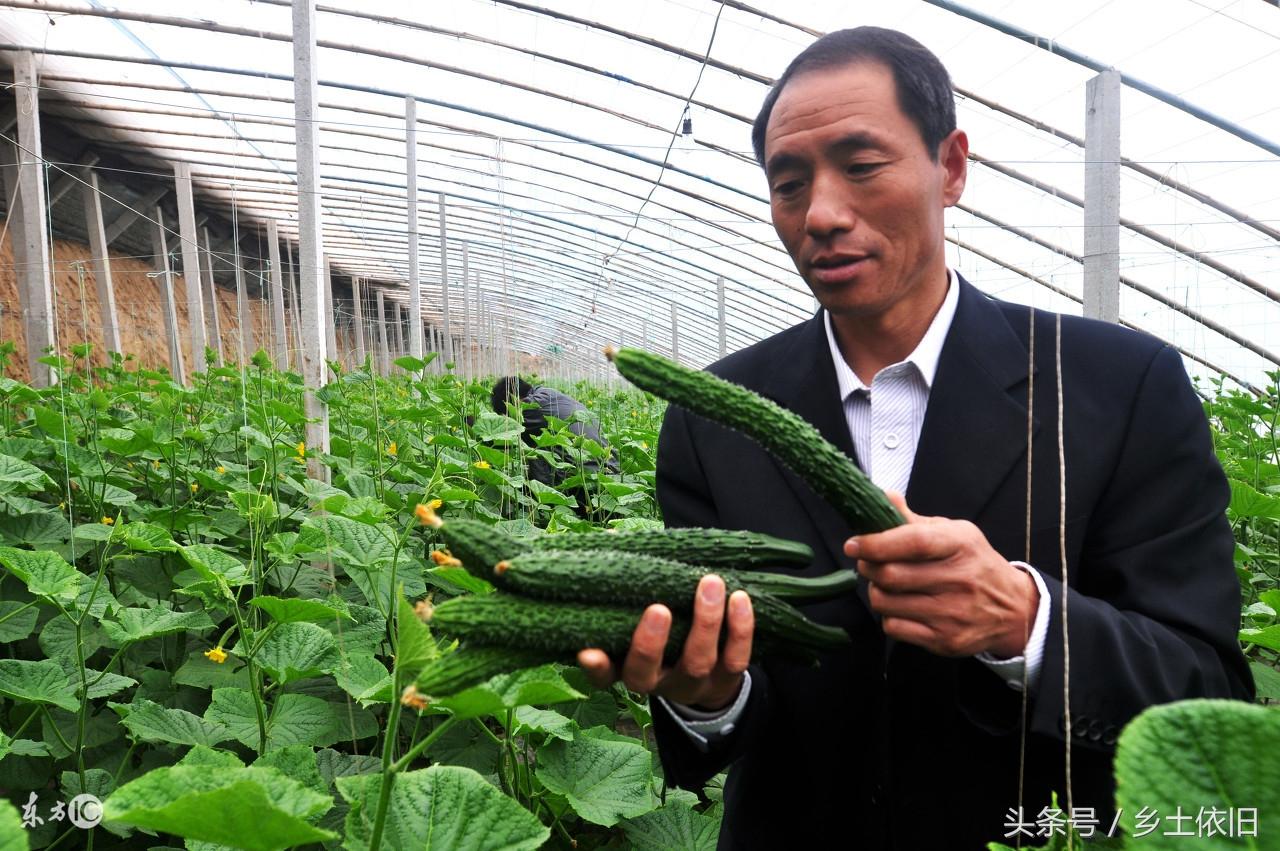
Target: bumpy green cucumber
(565, 628)
(469, 666)
(799, 588)
(479, 546)
(709, 547)
(788, 437)
(634, 579)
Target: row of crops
(217, 646)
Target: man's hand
(707, 675)
(938, 583)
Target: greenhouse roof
(593, 158)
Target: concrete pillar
(384, 354)
(720, 315)
(159, 245)
(675, 334)
(310, 239)
(357, 297)
(277, 296)
(101, 262)
(447, 330)
(331, 327)
(211, 293)
(1102, 197)
(35, 285)
(411, 185)
(190, 264)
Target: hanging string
(1026, 684)
(1062, 559)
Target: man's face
(855, 196)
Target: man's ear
(953, 157)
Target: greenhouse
(505, 424)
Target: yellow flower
(413, 698)
(62, 506)
(194, 487)
(391, 450)
(481, 465)
(108, 521)
(644, 445)
(221, 469)
(155, 462)
(216, 655)
(301, 449)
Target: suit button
(1079, 727)
(1095, 730)
(1109, 737)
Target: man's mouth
(836, 268)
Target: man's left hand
(939, 584)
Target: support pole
(101, 263)
(330, 312)
(295, 302)
(1102, 197)
(720, 315)
(159, 245)
(397, 325)
(35, 283)
(310, 241)
(447, 331)
(675, 334)
(357, 297)
(277, 296)
(245, 337)
(464, 365)
(211, 292)
(384, 355)
(411, 185)
(190, 264)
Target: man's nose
(830, 206)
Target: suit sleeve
(685, 499)
(1153, 607)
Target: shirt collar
(925, 355)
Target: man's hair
(923, 85)
(509, 389)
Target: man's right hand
(707, 675)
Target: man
(514, 395)
(915, 737)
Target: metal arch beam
(1129, 80)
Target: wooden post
(101, 262)
(277, 296)
(159, 245)
(35, 283)
(212, 294)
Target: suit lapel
(979, 390)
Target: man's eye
(861, 169)
(788, 187)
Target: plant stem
(389, 772)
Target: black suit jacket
(889, 746)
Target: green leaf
(17, 476)
(409, 363)
(348, 541)
(254, 507)
(46, 574)
(364, 678)
(1267, 680)
(455, 579)
(296, 651)
(523, 688)
(296, 719)
(605, 779)
(21, 747)
(202, 672)
(297, 762)
(531, 720)
(213, 563)
(100, 684)
(36, 682)
(295, 610)
(254, 808)
(457, 495)
(674, 827)
(1269, 637)
(13, 835)
(414, 645)
(1198, 755)
(15, 625)
(146, 538)
(441, 808)
(547, 495)
(141, 624)
(40, 527)
(493, 427)
(97, 782)
(150, 722)
(1246, 501)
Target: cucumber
(477, 545)
(708, 547)
(799, 588)
(565, 628)
(633, 579)
(788, 437)
(468, 666)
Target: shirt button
(891, 440)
